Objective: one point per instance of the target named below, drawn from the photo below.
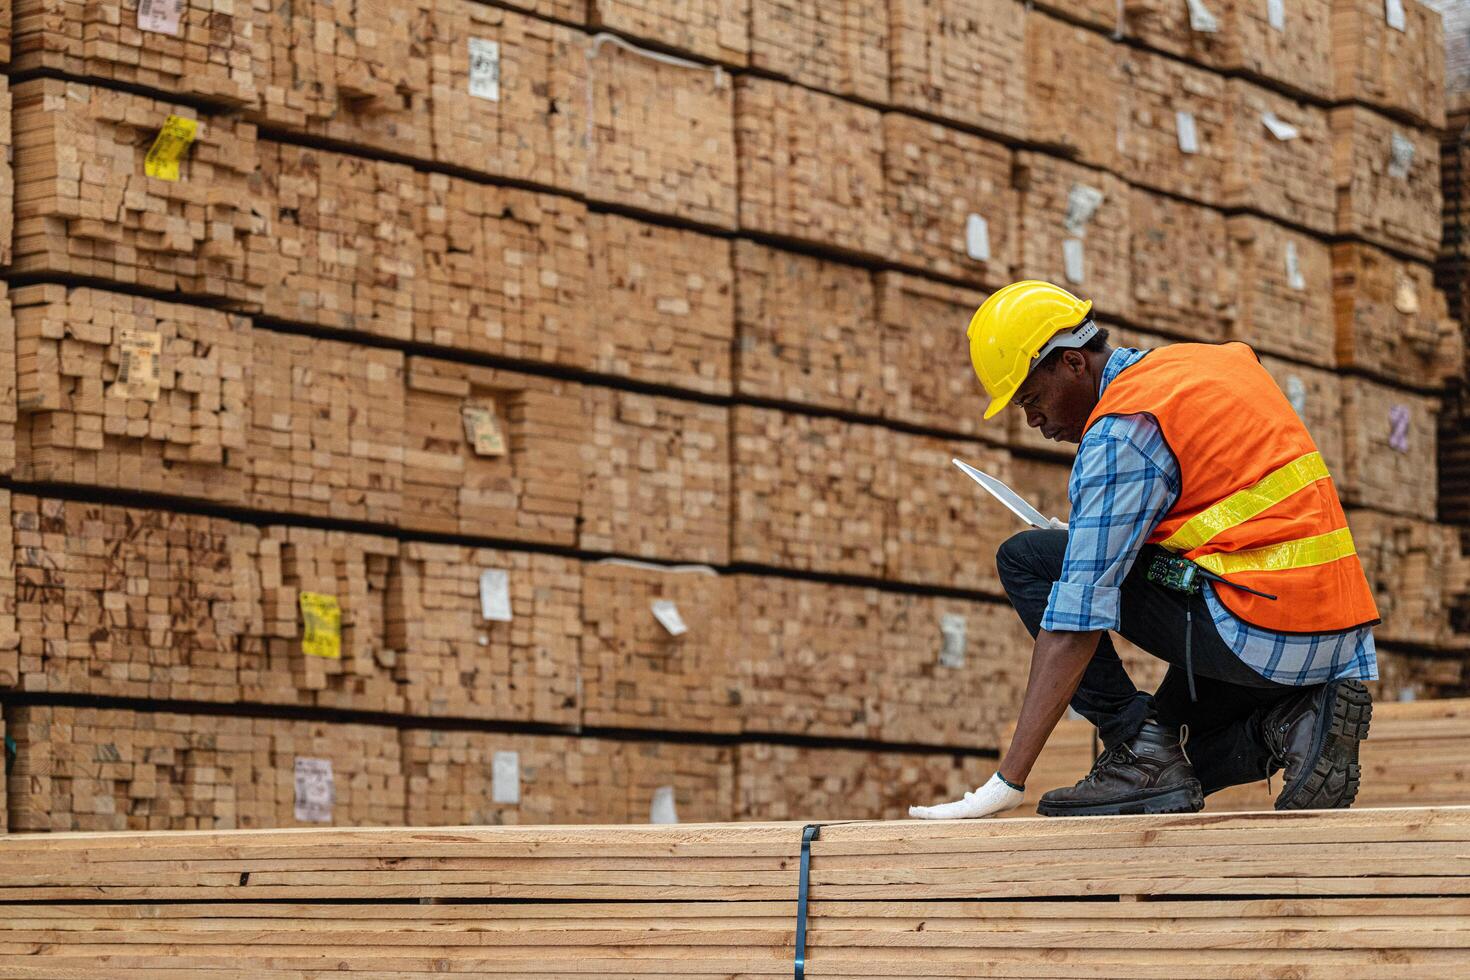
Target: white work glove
(993, 797)
(1057, 523)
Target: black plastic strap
(808, 834)
(1189, 650)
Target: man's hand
(993, 797)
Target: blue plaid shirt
(1124, 482)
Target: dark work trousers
(1225, 743)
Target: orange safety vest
(1256, 504)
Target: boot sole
(1332, 781)
(1186, 798)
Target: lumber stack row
(112, 601)
(707, 28)
(853, 662)
(841, 48)
(823, 494)
(101, 769)
(1420, 573)
(86, 204)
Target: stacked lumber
(646, 455)
(204, 48)
(838, 47)
(355, 73)
(785, 782)
(1176, 134)
(1410, 675)
(811, 493)
(130, 603)
(949, 201)
(505, 272)
(1075, 230)
(1074, 90)
(943, 534)
(1420, 575)
(491, 453)
(507, 94)
(294, 658)
(1183, 279)
(1387, 177)
(811, 167)
(804, 331)
(459, 778)
(9, 374)
(10, 666)
(688, 169)
(1101, 14)
(339, 246)
(1280, 160)
(103, 769)
(7, 172)
(707, 28)
(1398, 67)
(1284, 303)
(665, 302)
(1390, 449)
(963, 60)
(659, 649)
(326, 428)
(486, 633)
(1391, 321)
(1294, 52)
(921, 323)
(108, 219)
(1044, 482)
(855, 662)
(134, 393)
(1268, 893)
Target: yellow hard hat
(1017, 325)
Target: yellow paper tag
(169, 147)
(137, 369)
(482, 430)
(321, 626)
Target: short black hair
(1096, 344)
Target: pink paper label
(160, 16)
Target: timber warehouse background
(427, 413)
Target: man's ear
(1075, 361)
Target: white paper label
(666, 611)
(1200, 18)
(662, 809)
(977, 238)
(315, 790)
(1393, 12)
(1398, 428)
(1296, 393)
(1072, 263)
(1082, 204)
(1400, 156)
(160, 16)
(485, 69)
(495, 595)
(1406, 296)
(1280, 128)
(951, 640)
(505, 778)
(1406, 694)
(1188, 135)
(1276, 14)
(1294, 277)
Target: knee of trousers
(1020, 558)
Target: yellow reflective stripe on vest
(1242, 505)
(1301, 553)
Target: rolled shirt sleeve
(1121, 488)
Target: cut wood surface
(840, 47)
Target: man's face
(1057, 397)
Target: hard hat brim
(997, 403)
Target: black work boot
(1314, 736)
(1149, 773)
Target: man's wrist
(1018, 787)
